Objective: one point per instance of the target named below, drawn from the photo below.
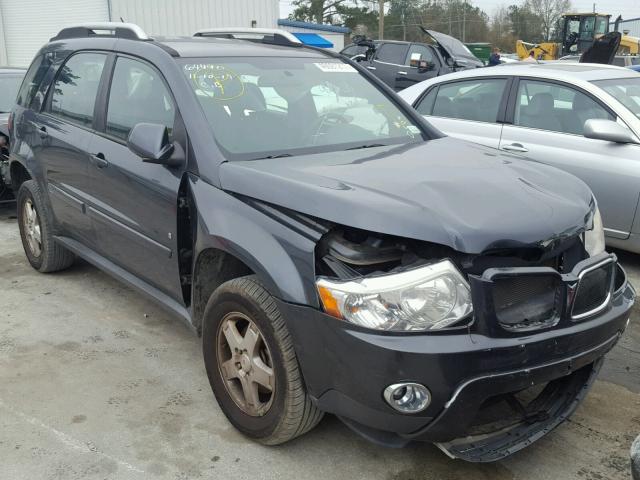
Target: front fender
(282, 257)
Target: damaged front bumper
(469, 372)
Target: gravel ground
(99, 383)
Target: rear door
(134, 204)
(467, 109)
(412, 73)
(61, 135)
(388, 61)
(547, 120)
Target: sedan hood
(446, 191)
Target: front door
(548, 122)
(62, 133)
(412, 73)
(134, 204)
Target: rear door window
(74, 92)
(138, 95)
(477, 100)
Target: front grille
(522, 299)
(527, 302)
(593, 291)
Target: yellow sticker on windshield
(215, 81)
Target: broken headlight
(594, 237)
(424, 298)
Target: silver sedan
(582, 118)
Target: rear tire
(36, 231)
(240, 309)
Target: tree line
(528, 20)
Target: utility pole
(380, 19)
(464, 21)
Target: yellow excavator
(579, 31)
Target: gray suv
(335, 252)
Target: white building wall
(184, 17)
(26, 25)
(29, 24)
(336, 38)
(632, 25)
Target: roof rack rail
(264, 35)
(130, 31)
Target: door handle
(41, 129)
(99, 161)
(515, 147)
(370, 67)
(402, 73)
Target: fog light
(407, 397)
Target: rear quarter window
(32, 80)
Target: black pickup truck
(402, 64)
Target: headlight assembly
(424, 298)
(594, 238)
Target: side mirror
(609, 131)
(150, 141)
(425, 66)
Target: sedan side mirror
(609, 131)
(150, 141)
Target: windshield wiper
(279, 155)
(368, 145)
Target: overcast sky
(626, 8)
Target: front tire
(252, 366)
(36, 231)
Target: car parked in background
(402, 64)
(10, 80)
(582, 118)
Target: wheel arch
(234, 239)
(18, 174)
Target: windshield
(625, 90)
(9, 86)
(265, 107)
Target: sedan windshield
(625, 90)
(9, 86)
(268, 107)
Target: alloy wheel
(245, 364)
(31, 226)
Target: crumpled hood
(447, 191)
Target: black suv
(336, 253)
(402, 64)
(10, 80)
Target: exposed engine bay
(347, 253)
